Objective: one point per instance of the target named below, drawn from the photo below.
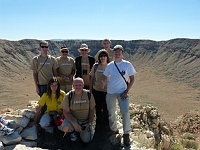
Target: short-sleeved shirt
(85, 70)
(44, 66)
(65, 66)
(79, 105)
(98, 77)
(116, 84)
(53, 104)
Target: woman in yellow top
(53, 99)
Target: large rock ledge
(149, 131)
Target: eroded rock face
(190, 122)
(147, 120)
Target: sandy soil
(171, 98)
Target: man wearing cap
(106, 44)
(44, 68)
(84, 64)
(119, 71)
(66, 69)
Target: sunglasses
(44, 46)
(65, 51)
(102, 56)
(84, 50)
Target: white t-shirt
(116, 84)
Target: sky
(99, 19)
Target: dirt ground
(171, 98)
(151, 87)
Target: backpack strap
(88, 94)
(70, 97)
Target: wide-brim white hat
(84, 46)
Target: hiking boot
(3, 121)
(6, 131)
(126, 139)
(73, 136)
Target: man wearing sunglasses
(84, 64)
(44, 68)
(66, 69)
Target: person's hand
(123, 96)
(85, 127)
(102, 84)
(77, 127)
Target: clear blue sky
(98, 19)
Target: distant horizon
(98, 39)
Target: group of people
(72, 91)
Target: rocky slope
(178, 58)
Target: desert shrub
(176, 146)
(189, 136)
(190, 144)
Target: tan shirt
(44, 69)
(65, 67)
(85, 70)
(98, 77)
(79, 105)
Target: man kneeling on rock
(79, 110)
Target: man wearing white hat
(84, 64)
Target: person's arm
(35, 78)
(38, 110)
(103, 82)
(68, 116)
(91, 114)
(130, 84)
(72, 74)
(91, 117)
(91, 82)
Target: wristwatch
(126, 91)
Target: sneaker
(6, 131)
(126, 139)
(73, 136)
(3, 121)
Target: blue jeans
(86, 135)
(124, 110)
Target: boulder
(29, 133)
(11, 139)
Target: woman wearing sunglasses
(99, 93)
